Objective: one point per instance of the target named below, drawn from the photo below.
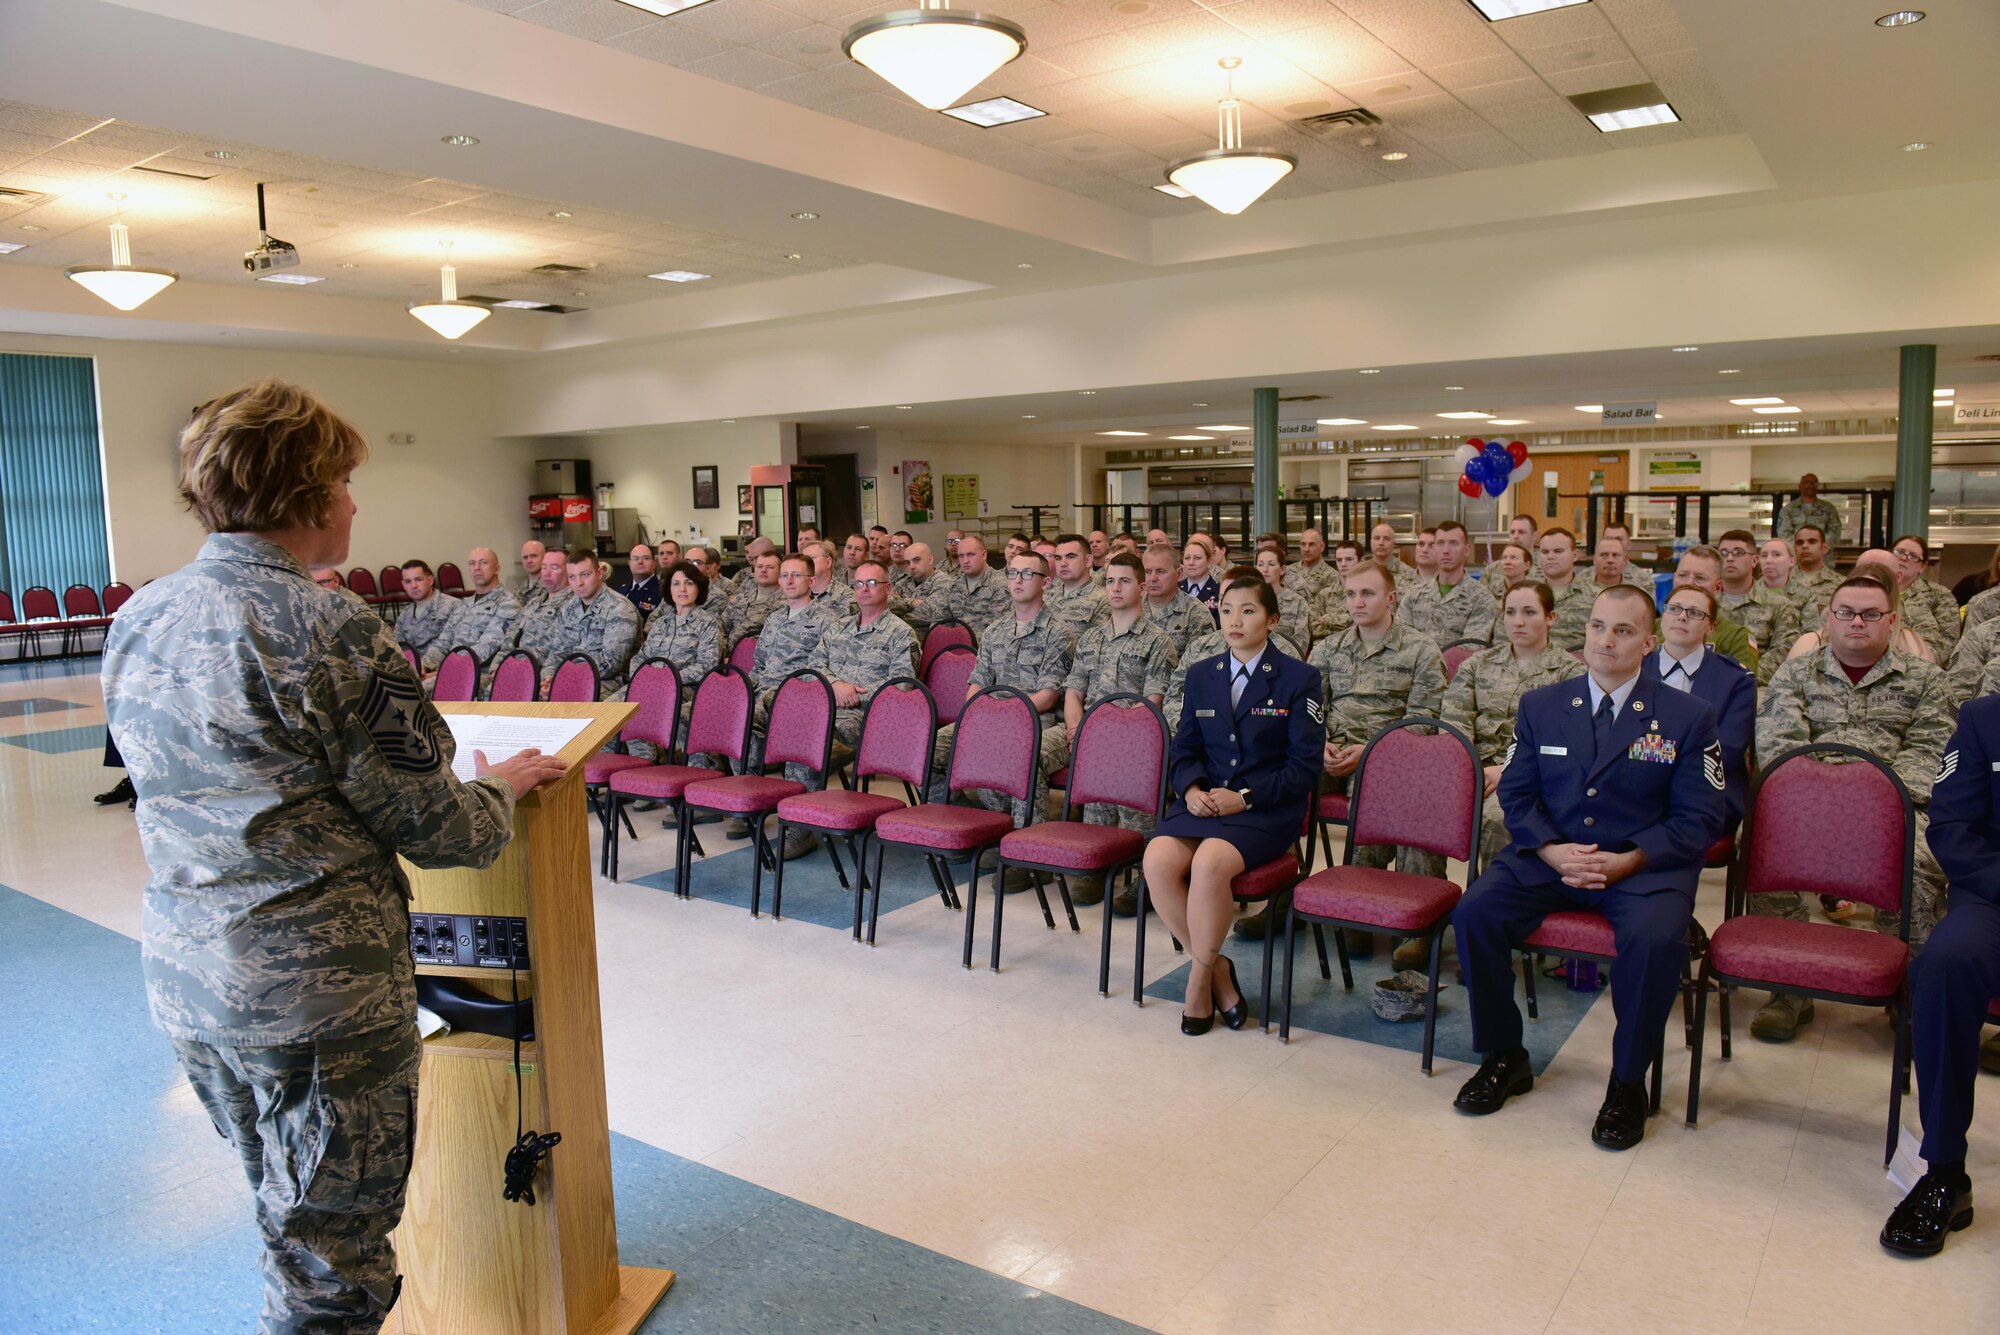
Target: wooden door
(1576, 475)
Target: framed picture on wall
(743, 504)
(746, 529)
(707, 490)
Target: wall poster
(870, 504)
(961, 495)
(918, 501)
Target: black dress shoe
(1238, 1015)
(124, 792)
(1194, 1026)
(1500, 1077)
(1621, 1122)
(1940, 1203)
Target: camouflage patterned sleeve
(1479, 621)
(1781, 709)
(1968, 661)
(1161, 664)
(1427, 681)
(1935, 715)
(1459, 705)
(1078, 679)
(1056, 663)
(390, 754)
(985, 672)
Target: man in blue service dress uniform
(1955, 978)
(1612, 794)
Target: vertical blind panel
(52, 529)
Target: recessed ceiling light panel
(1508, 421)
(1686, 347)
(1590, 407)
(1629, 108)
(805, 215)
(1786, 409)
(219, 154)
(1190, 437)
(1225, 427)
(1397, 426)
(1752, 403)
(993, 111)
(9, 247)
(1496, 10)
(459, 140)
(1343, 421)
(1468, 417)
(1121, 433)
(292, 279)
(1901, 18)
(1917, 147)
(517, 305)
(1396, 155)
(678, 276)
(1373, 370)
(663, 7)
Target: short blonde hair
(267, 456)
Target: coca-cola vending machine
(559, 507)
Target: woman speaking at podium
(284, 755)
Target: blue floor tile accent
(129, 1214)
(60, 741)
(812, 892)
(1328, 1008)
(35, 704)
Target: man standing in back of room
(1612, 795)
(1808, 509)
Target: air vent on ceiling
(1338, 122)
(10, 194)
(560, 270)
(184, 176)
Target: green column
(1264, 473)
(1911, 512)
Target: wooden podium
(473, 1262)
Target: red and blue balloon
(1491, 466)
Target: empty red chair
(1120, 759)
(575, 681)
(898, 729)
(995, 747)
(949, 675)
(1418, 791)
(362, 583)
(81, 613)
(1456, 654)
(718, 725)
(457, 676)
(942, 636)
(10, 627)
(656, 689)
(1847, 830)
(517, 680)
(450, 578)
(115, 596)
(743, 655)
(392, 582)
(799, 732)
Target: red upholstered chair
(361, 581)
(1329, 810)
(1119, 757)
(450, 578)
(410, 657)
(656, 689)
(942, 636)
(518, 679)
(800, 732)
(457, 677)
(1847, 830)
(82, 613)
(39, 605)
(948, 676)
(995, 747)
(575, 681)
(1266, 883)
(115, 596)
(718, 725)
(1456, 654)
(898, 729)
(743, 655)
(392, 582)
(1413, 790)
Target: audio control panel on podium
(474, 1261)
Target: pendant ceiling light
(935, 54)
(448, 315)
(1231, 178)
(120, 283)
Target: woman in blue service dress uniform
(1245, 763)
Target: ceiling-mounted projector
(273, 254)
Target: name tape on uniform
(1555, 750)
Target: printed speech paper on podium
(502, 736)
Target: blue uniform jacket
(1965, 802)
(1732, 694)
(1658, 789)
(1271, 742)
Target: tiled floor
(825, 1137)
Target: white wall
(455, 489)
(653, 471)
(1009, 475)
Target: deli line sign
(1976, 414)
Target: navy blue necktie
(1600, 726)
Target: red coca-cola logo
(544, 507)
(576, 509)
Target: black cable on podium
(524, 1161)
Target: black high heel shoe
(1194, 1026)
(1238, 1015)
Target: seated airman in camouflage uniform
(1028, 650)
(596, 621)
(329, 579)
(832, 593)
(756, 598)
(1123, 653)
(858, 655)
(789, 643)
(1312, 572)
(918, 578)
(1767, 614)
(1180, 617)
(284, 757)
(1898, 710)
(1975, 663)
(1075, 594)
(541, 603)
(423, 619)
(1927, 606)
(1329, 605)
(484, 619)
(1450, 606)
(977, 597)
(1294, 625)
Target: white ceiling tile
(1427, 32)
(669, 43)
(1548, 60)
(593, 19)
(1073, 95)
(1657, 39)
(740, 21)
(1473, 73)
(1594, 78)
(1025, 75)
(1260, 18)
(821, 88)
(1342, 53)
(743, 67)
(1112, 51)
(811, 47)
(1514, 92)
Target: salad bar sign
(919, 499)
